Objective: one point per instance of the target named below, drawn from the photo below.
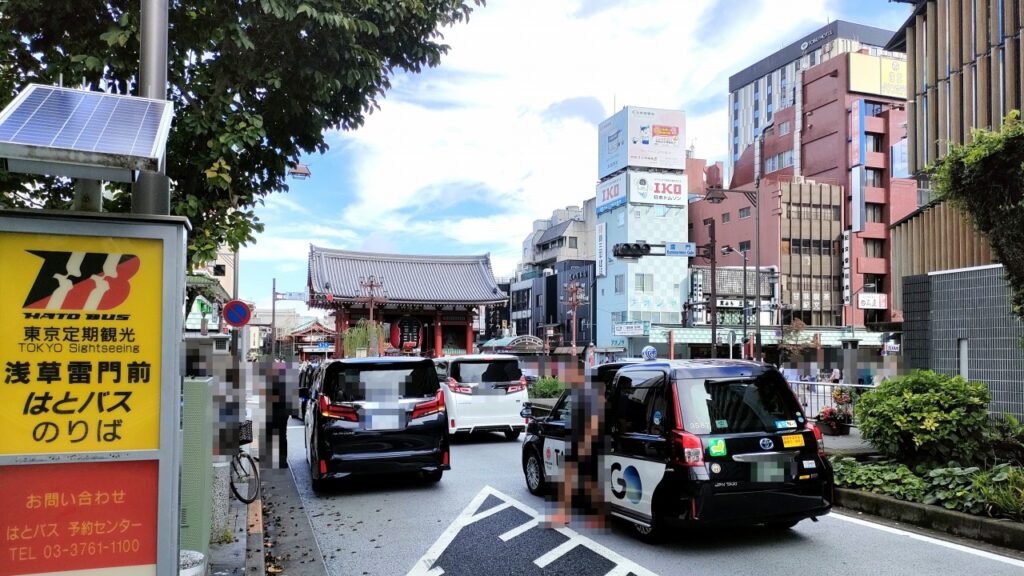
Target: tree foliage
(793, 343)
(985, 179)
(255, 84)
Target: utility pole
(273, 321)
(151, 194)
(577, 298)
(710, 254)
(371, 285)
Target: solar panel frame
(112, 132)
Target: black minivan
(376, 416)
(696, 442)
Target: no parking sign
(237, 313)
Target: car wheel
(318, 484)
(781, 525)
(533, 469)
(652, 534)
(512, 434)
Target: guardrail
(814, 396)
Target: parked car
(376, 416)
(695, 442)
(306, 373)
(484, 392)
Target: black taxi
(694, 442)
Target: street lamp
(716, 195)
(853, 315)
(726, 250)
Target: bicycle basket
(245, 433)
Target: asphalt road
(479, 520)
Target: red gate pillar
(341, 326)
(469, 334)
(437, 335)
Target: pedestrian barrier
(815, 396)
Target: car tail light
(687, 449)
(817, 438)
(336, 412)
(515, 388)
(323, 466)
(452, 425)
(444, 460)
(453, 385)
(427, 408)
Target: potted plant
(835, 420)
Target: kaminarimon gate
(426, 302)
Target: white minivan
(483, 392)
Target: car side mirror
(527, 411)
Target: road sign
(687, 249)
(300, 296)
(237, 313)
(323, 344)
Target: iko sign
(611, 193)
(642, 138)
(872, 301)
(657, 188)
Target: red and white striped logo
(81, 280)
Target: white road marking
(517, 531)
(557, 552)
(425, 566)
(929, 539)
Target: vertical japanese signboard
(89, 401)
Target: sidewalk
(291, 548)
(851, 445)
(227, 558)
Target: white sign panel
(642, 138)
(872, 301)
(611, 193)
(601, 267)
(657, 188)
(631, 328)
(847, 289)
(688, 249)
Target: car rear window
(375, 382)
(761, 404)
(486, 371)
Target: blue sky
(462, 158)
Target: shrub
(887, 478)
(926, 418)
(1006, 439)
(547, 387)
(956, 488)
(1004, 492)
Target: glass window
(640, 405)
(873, 142)
(872, 108)
(745, 212)
(745, 246)
(873, 212)
(783, 128)
(644, 282)
(572, 241)
(729, 405)
(620, 283)
(873, 177)
(348, 383)
(874, 248)
(486, 371)
(725, 217)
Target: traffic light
(631, 250)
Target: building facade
(768, 86)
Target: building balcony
(874, 194)
(874, 124)
(875, 230)
(875, 160)
(867, 265)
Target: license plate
(793, 441)
(383, 422)
(768, 472)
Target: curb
(255, 563)
(1006, 533)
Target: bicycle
(245, 475)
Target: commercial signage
(631, 328)
(880, 75)
(858, 201)
(847, 271)
(891, 348)
(74, 517)
(642, 138)
(81, 343)
(872, 301)
(601, 257)
(657, 188)
(688, 249)
(611, 193)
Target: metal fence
(814, 396)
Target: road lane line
(929, 539)
(489, 512)
(425, 566)
(557, 552)
(517, 531)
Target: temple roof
(406, 279)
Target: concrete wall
(969, 308)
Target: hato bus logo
(81, 280)
(626, 483)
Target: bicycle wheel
(245, 478)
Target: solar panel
(113, 131)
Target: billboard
(634, 328)
(642, 138)
(663, 188)
(872, 301)
(611, 193)
(878, 75)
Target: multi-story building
(558, 251)
(965, 61)
(768, 86)
(829, 189)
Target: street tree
(985, 179)
(793, 344)
(255, 85)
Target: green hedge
(997, 492)
(547, 387)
